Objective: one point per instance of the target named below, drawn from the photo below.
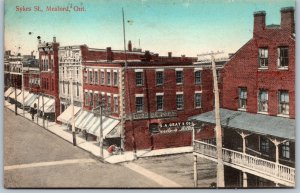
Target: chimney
(109, 54)
(146, 57)
(287, 19)
(129, 46)
(169, 54)
(259, 22)
(54, 39)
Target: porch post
(245, 180)
(195, 172)
(276, 143)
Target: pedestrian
(33, 111)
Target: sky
(188, 27)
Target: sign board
(152, 115)
(176, 127)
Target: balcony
(260, 167)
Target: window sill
(262, 112)
(282, 115)
(181, 109)
(241, 109)
(283, 68)
(179, 83)
(263, 68)
(198, 107)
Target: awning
(115, 132)
(20, 96)
(12, 95)
(30, 99)
(49, 107)
(8, 91)
(256, 123)
(66, 116)
(87, 121)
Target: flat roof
(255, 123)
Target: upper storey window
(283, 57)
(263, 57)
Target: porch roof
(256, 123)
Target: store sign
(153, 115)
(176, 127)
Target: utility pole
(16, 109)
(23, 89)
(220, 165)
(43, 115)
(72, 103)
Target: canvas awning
(8, 91)
(12, 95)
(30, 99)
(49, 106)
(20, 96)
(256, 123)
(66, 116)
(91, 123)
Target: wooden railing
(253, 163)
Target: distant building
(258, 110)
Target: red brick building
(48, 66)
(160, 94)
(258, 114)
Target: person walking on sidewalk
(33, 111)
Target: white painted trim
(102, 70)
(116, 95)
(108, 94)
(138, 70)
(159, 94)
(180, 92)
(102, 93)
(90, 69)
(198, 69)
(198, 91)
(90, 91)
(108, 70)
(115, 70)
(178, 69)
(86, 90)
(159, 70)
(139, 95)
(96, 92)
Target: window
(263, 57)
(96, 77)
(179, 101)
(286, 150)
(283, 57)
(108, 78)
(284, 102)
(197, 100)
(159, 77)
(159, 102)
(102, 77)
(139, 104)
(86, 99)
(218, 75)
(198, 77)
(139, 78)
(242, 98)
(264, 145)
(263, 101)
(77, 89)
(179, 77)
(96, 100)
(116, 79)
(154, 128)
(85, 76)
(116, 104)
(90, 77)
(91, 99)
(108, 103)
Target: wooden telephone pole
(220, 165)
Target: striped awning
(20, 96)
(66, 116)
(8, 91)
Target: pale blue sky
(185, 27)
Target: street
(34, 157)
(27, 143)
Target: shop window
(154, 128)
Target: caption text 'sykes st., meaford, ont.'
(51, 8)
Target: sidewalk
(62, 131)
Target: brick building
(48, 66)
(258, 114)
(159, 93)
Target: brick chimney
(109, 54)
(259, 22)
(287, 19)
(169, 54)
(129, 46)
